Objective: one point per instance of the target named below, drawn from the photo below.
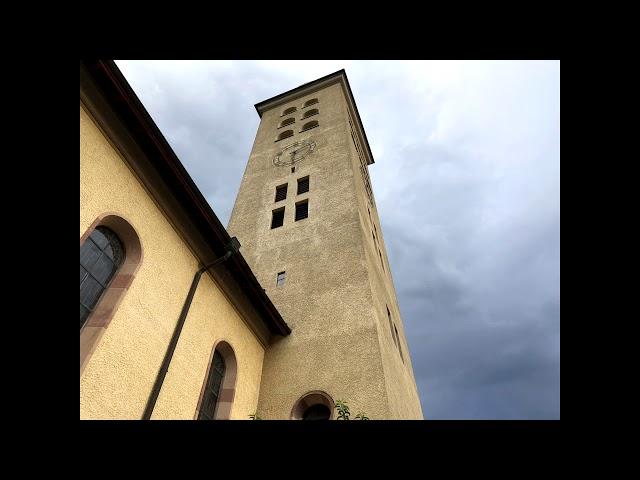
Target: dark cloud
(467, 186)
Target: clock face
(294, 152)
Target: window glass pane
(98, 236)
(218, 362)
(210, 405)
(89, 253)
(90, 291)
(83, 273)
(84, 313)
(113, 248)
(103, 269)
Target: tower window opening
(281, 192)
(288, 111)
(310, 113)
(293, 169)
(285, 134)
(317, 412)
(280, 279)
(277, 218)
(391, 326)
(286, 122)
(313, 101)
(399, 345)
(303, 185)
(309, 125)
(302, 210)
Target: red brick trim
(102, 315)
(228, 387)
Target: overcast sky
(467, 184)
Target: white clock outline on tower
(294, 152)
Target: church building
(289, 309)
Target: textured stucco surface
(119, 376)
(335, 292)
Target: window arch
(111, 229)
(310, 113)
(313, 101)
(309, 125)
(286, 122)
(315, 405)
(285, 134)
(218, 389)
(288, 111)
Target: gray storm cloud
(467, 183)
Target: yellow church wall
(119, 375)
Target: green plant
(344, 413)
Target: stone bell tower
(309, 228)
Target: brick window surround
(228, 387)
(102, 314)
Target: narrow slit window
(399, 346)
(381, 261)
(277, 218)
(302, 210)
(281, 192)
(280, 279)
(391, 326)
(303, 185)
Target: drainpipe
(232, 247)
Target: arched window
(285, 134)
(286, 122)
(212, 389)
(310, 102)
(288, 111)
(309, 126)
(110, 255)
(100, 257)
(218, 389)
(310, 113)
(316, 405)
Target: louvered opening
(277, 218)
(313, 101)
(303, 185)
(285, 134)
(302, 210)
(289, 110)
(286, 122)
(311, 113)
(309, 126)
(281, 192)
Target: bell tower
(307, 220)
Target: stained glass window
(100, 256)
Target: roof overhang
(339, 77)
(119, 113)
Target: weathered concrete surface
(336, 291)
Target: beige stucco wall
(333, 290)
(119, 376)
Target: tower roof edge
(339, 76)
